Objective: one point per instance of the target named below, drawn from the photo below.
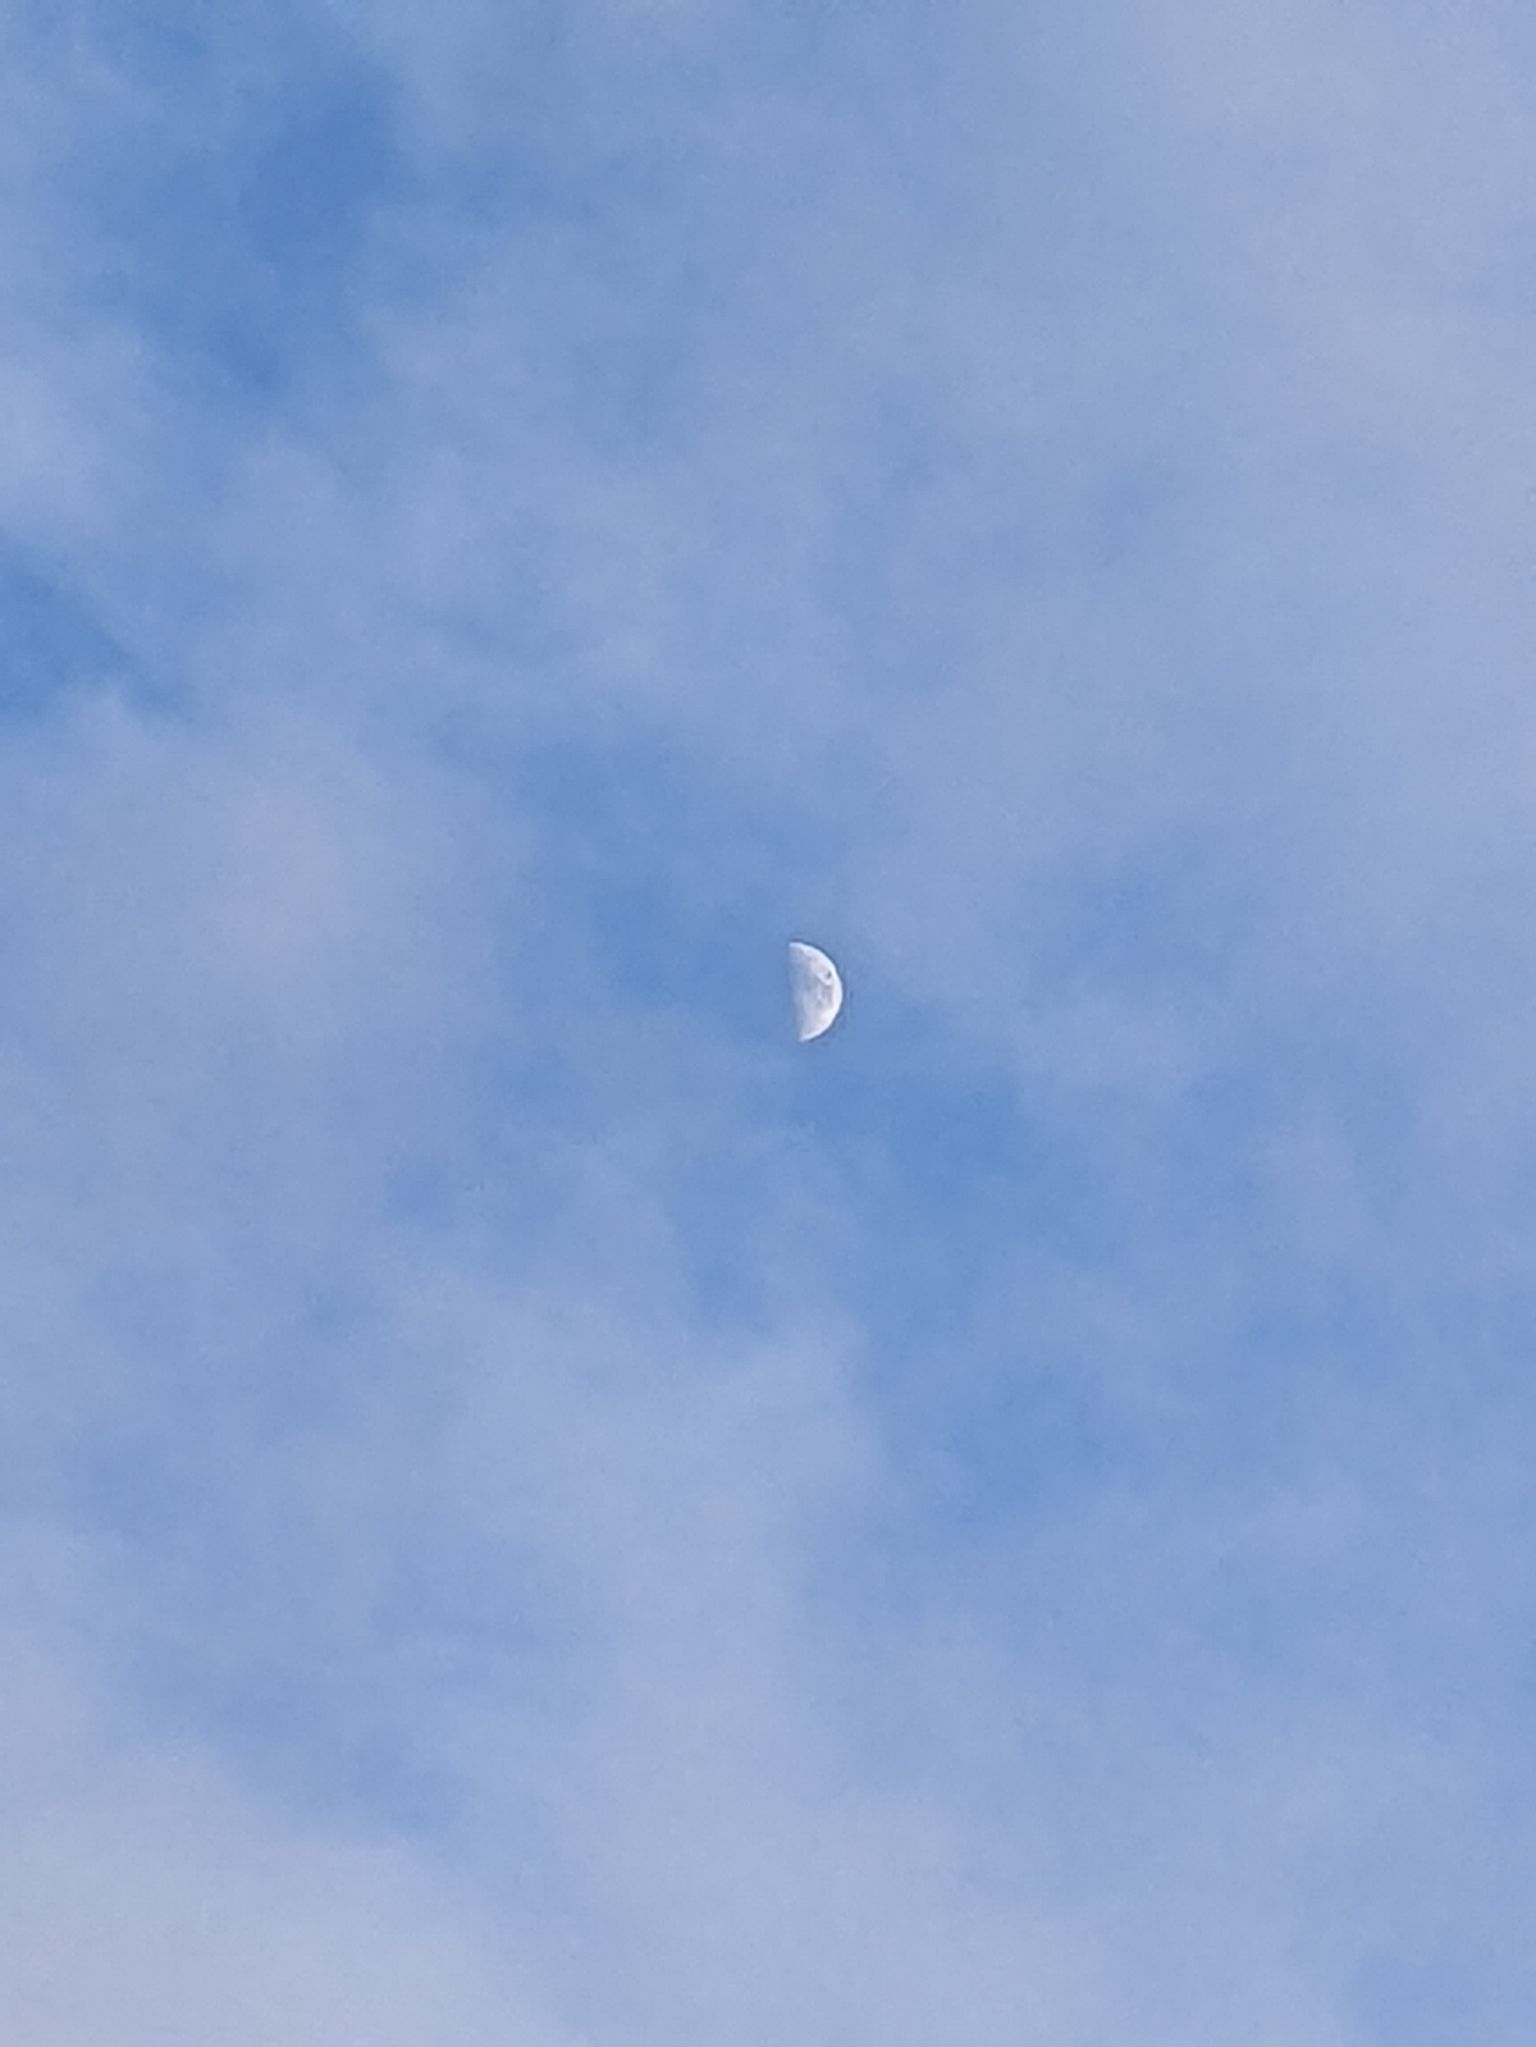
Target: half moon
(815, 991)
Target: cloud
(532, 1511)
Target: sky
(534, 1509)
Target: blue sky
(532, 1508)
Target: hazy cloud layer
(534, 1509)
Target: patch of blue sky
(235, 232)
(54, 647)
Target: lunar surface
(815, 991)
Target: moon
(815, 991)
